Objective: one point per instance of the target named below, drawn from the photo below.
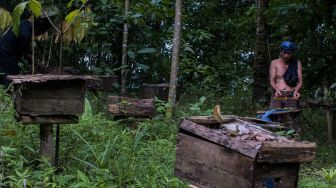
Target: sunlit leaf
(70, 3)
(5, 18)
(35, 6)
(82, 176)
(79, 24)
(71, 16)
(290, 132)
(18, 10)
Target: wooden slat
(48, 119)
(36, 107)
(39, 78)
(203, 176)
(62, 90)
(213, 155)
(282, 152)
(209, 120)
(248, 148)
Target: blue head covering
(288, 46)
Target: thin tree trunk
(261, 62)
(175, 59)
(124, 51)
(330, 124)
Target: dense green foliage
(217, 55)
(217, 40)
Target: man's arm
(272, 73)
(299, 85)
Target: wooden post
(57, 146)
(330, 125)
(46, 142)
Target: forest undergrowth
(102, 152)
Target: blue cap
(288, 46)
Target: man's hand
(278, 93)
(296, 94)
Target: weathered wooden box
(120, 106)
(207, 156)
(102, 83)
(155, 90)
(48, 99)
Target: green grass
(101, 152)
(97, 152)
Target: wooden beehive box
(207, 155)
(102, 82)
(120, 106)
(155, 90)
(49, 99)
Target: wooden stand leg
(46, 142)
(57, 146)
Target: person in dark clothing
(13, 47)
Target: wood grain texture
(52, 107)
(62, 97)
(46, 142)
(26, 119)
(131, 107)
(286, 152)
(248, 148)
(213, 155)
(203, 176)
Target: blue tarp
(266, 115)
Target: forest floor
(102, 152)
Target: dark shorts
(284, 101)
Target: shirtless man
(286, 92)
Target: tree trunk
(175, 59)
(330, 124)
(124, 51)
(261, 63)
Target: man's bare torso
(280, 68)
